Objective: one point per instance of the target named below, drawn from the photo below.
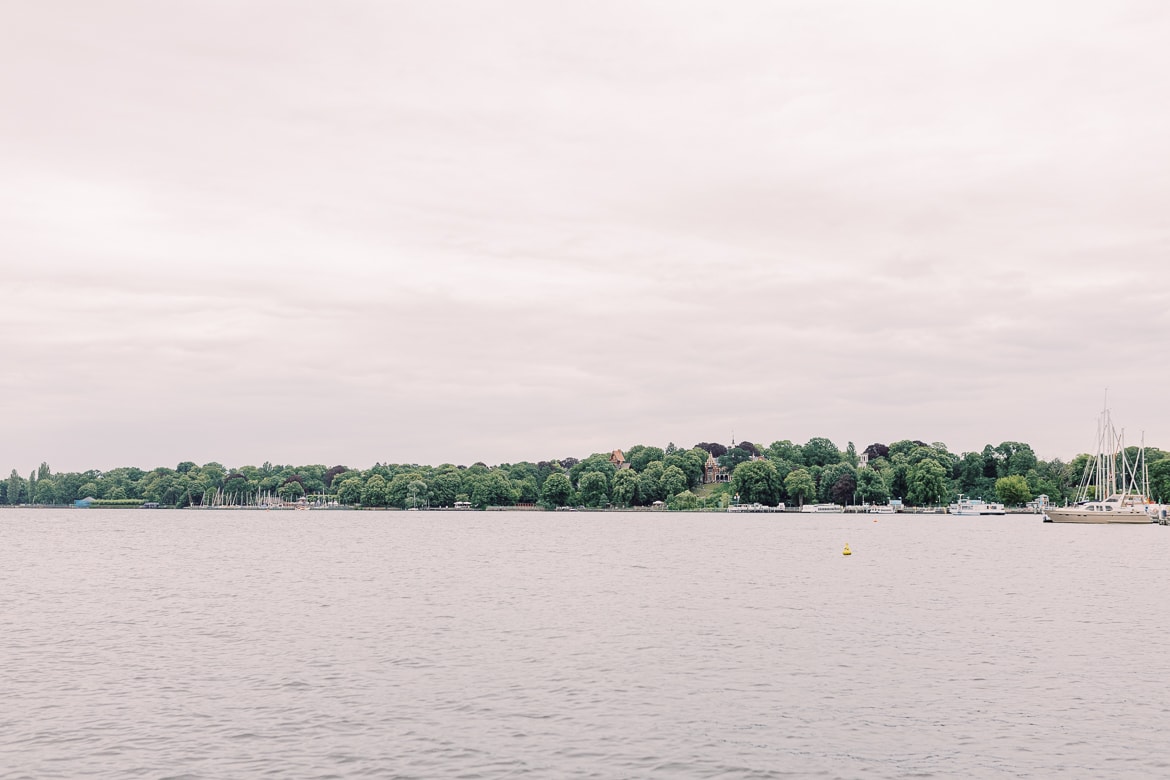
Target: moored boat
(975, 506)
(1111, 473)
(822, 508)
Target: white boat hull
(1075, 515)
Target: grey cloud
(453, 232)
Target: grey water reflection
(491, 645)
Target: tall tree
(844, 488)
(927, 483)
(349, 491)
(820, 452)
(625, 487)
(374, 491)
(594, 489)
(829, 478)
(557, 489)
(650, 484)
(17, 488)
(871, 488)
(492, 489)
(673, 481)
(445, 485)
(800, 485)
(757, 481)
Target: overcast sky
(432, 232)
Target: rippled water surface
(488, 645)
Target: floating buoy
(846, 551)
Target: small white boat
(975, 506)
(884, 509)
(819, 508)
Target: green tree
(374, 491)
(492, 489)
(650, 484)
(597, 462)
(291, 490)
(851, 456)
(830, 484)
(594, 488)
(800, 485)
(927, 482)
(396, 489)
(683, 501)
(1013, 490)
(820, 452)
(673, 481)
(46, 491)
(1014, 458)
(17, 488)
(690, 462)
(1160, 480)
(757, 481)
(971, 479)
(416, 494)
(557, 489)
(625, 487)
(349, 490)
(786, 451)
(733, 458)
(526, 490)
(445, 485)
(639, 456)
(871, 488)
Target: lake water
(489, 645)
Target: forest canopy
(707, 475)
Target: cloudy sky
(351, 232)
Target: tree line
(913, 471)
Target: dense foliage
(911, 470)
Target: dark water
(485, 645)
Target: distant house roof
(616, 457)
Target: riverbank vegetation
(708, 475)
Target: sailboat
(1122, 483)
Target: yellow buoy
(846, 551)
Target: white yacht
(975, 506)
(822, 508)
(1111, 474)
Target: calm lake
(489, 645)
